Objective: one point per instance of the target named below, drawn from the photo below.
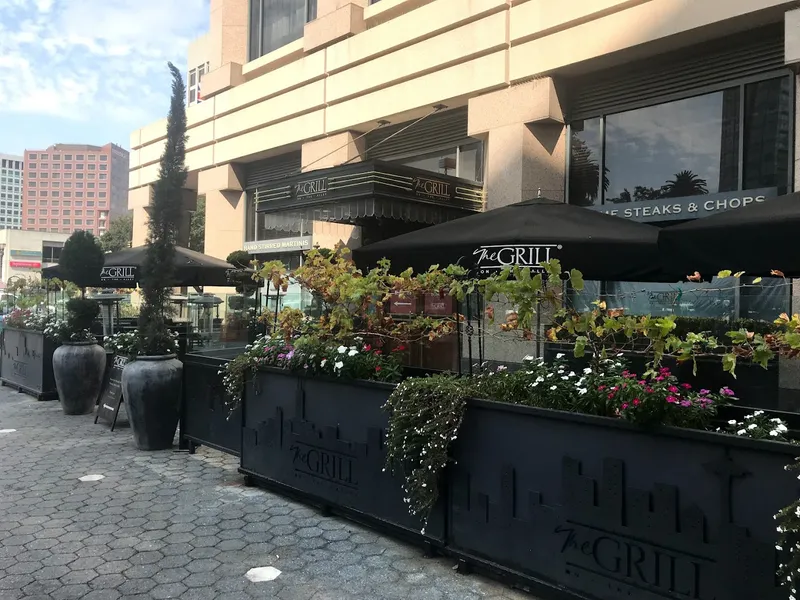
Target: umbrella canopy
(527, 234)
(123, 269)
(755, 239)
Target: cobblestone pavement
(170, 525)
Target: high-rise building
(10, 191)
(74, 186)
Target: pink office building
(74, 186)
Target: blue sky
(89, 71)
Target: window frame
(741, 83)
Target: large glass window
(275, 23)
(687, 147)
(465, 161)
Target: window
(67, 203)
(56, 157)
(43, 193)
(56, 175)
(79, 157)
(78, 221)
(67, 194)
(90, 221)
(79, 167)
(101, 195)
(275, 23)
(55, 193)
(90, 195)
(32, 175)
(63, 221)
(79, 213)
(79, 194)
(102, 185)
(42, 221)
(103, 157)
(91, 157)
(79, 184)
(51, 254)
(42, 211)
(67, 166)
(31, 211)
(465, 161)
(55, 184)
(31, 165)
(54, 211)
(32, 156)
(91, 167)
(68, 157)
(90, 185)
(44, 175)
(31, 184)
(31, 192)
(56, 167)
(91, 176)
(44, 166)
(103, 175)
(31, 221)
(685, 148)
(103, 168)
(43, 156)
(65, 212)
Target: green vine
(425, 416)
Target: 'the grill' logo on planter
(494, 258)
(20, 369)
(118, 274)
(325, 464)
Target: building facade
(11, 169)
(26, 253)
(349, 120)
(74, 186)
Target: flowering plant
(26, 319)
(309, 354)
(758, 426)
(123, 343)
(61, 331)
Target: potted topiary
(79, 363)
(151, 384)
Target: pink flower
(726, 391)
(686, 403)
(636, 402)
(673, 389)
(672, 399)
(642, 382)
(686, 386)
(601, 388)
(624, 406)
(660, 378)
(705, 392)
(610, 396)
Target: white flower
(582, 391)
(322, 363)
(338, 365)
(535, 383)
(741, 432)
(352, 352)
(752, 426)
(782, 428)
(587, 370)
(560, 355)
(550, 375)
(501, 368)
(565, 378)
(732, 422)
(775, 420)
(539, 379)
(528, 358)
(342, 349)
(774, 433)
(572, 374)
(553, 388)
(758, 413)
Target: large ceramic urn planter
(78, 368)
(151, 386)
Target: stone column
(327, 152)
(525, 142)
(225, 209)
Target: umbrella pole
(458, 336)
(469, 332)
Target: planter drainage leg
(249, 481)
(462, 567)
(191, 447)
(428, 551)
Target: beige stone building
(356, 120)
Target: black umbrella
(124, 269)
(756, 239)
(528, 233)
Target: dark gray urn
(151, 387)
(78, 368)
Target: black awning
(347, 193)
(755, 239)
(528, 233)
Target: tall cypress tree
(165, 211)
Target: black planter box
(205, 420)
(27, 363)
(602, 509)
(324, 439)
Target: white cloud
(88, 60)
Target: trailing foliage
(758, 426)
(425, 415)
(158, 269)
(82, 259)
